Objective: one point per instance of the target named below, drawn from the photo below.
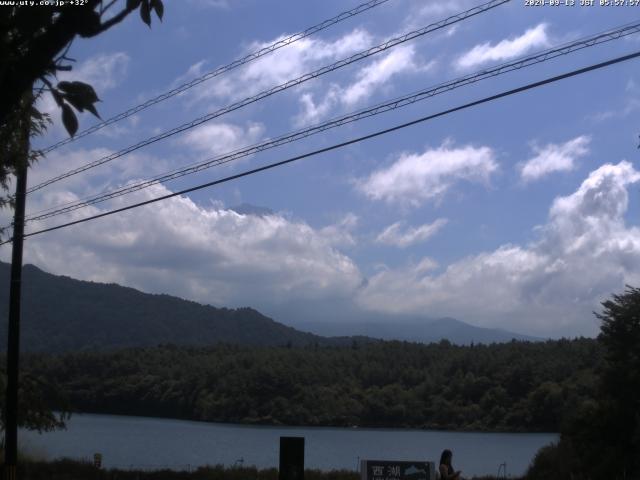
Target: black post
(291, 458)
(13, 348)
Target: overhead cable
(284, 86)
(220, 70)
(343, 144)
(389, 105)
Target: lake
(140, 442)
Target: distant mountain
(63, 314)
(414, 329)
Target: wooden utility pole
(13, 347)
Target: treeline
(517, 386)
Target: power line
(396, 103)
(284, 86)
(220, 70)
(346, 143)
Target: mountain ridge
(60, 314)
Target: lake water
(137, 442)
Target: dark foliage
(34, 43)
(518, 386)
(35, 395)
(601, 437)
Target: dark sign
(392, 470)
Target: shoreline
(326, 427)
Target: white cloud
(208, 254)
(393, 234)
(426, 12)
(218, 138)
(379, 72)
(91, 182)
(585, 253)
(292, 61)
(313, 112)
(506, 49)
(305, 56)
(367, 82)
(415, 178)
(103, 71)
(302, 57)
(341, 232)
(630, 104)
(554, 158)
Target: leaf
(93, 110)
(35, 113)
(158, 6)
(57, 97)
(82, 90)
(145, 12)
(81, 95)
(69, 119)
(75, 102)
(132, 4)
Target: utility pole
(13, 348)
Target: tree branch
(111, 22)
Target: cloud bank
(585, 253)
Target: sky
(521, 213)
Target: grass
(67, 469)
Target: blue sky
(519, 214)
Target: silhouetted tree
(601, 439)
(34, 42)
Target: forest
(517, 386)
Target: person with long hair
(447, 472)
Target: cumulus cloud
(505, 49)
(218, 138)
(393, 234)
(209, 254)
(554, 158)
(416, 178)
(585, 252)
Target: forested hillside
(516, 386)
